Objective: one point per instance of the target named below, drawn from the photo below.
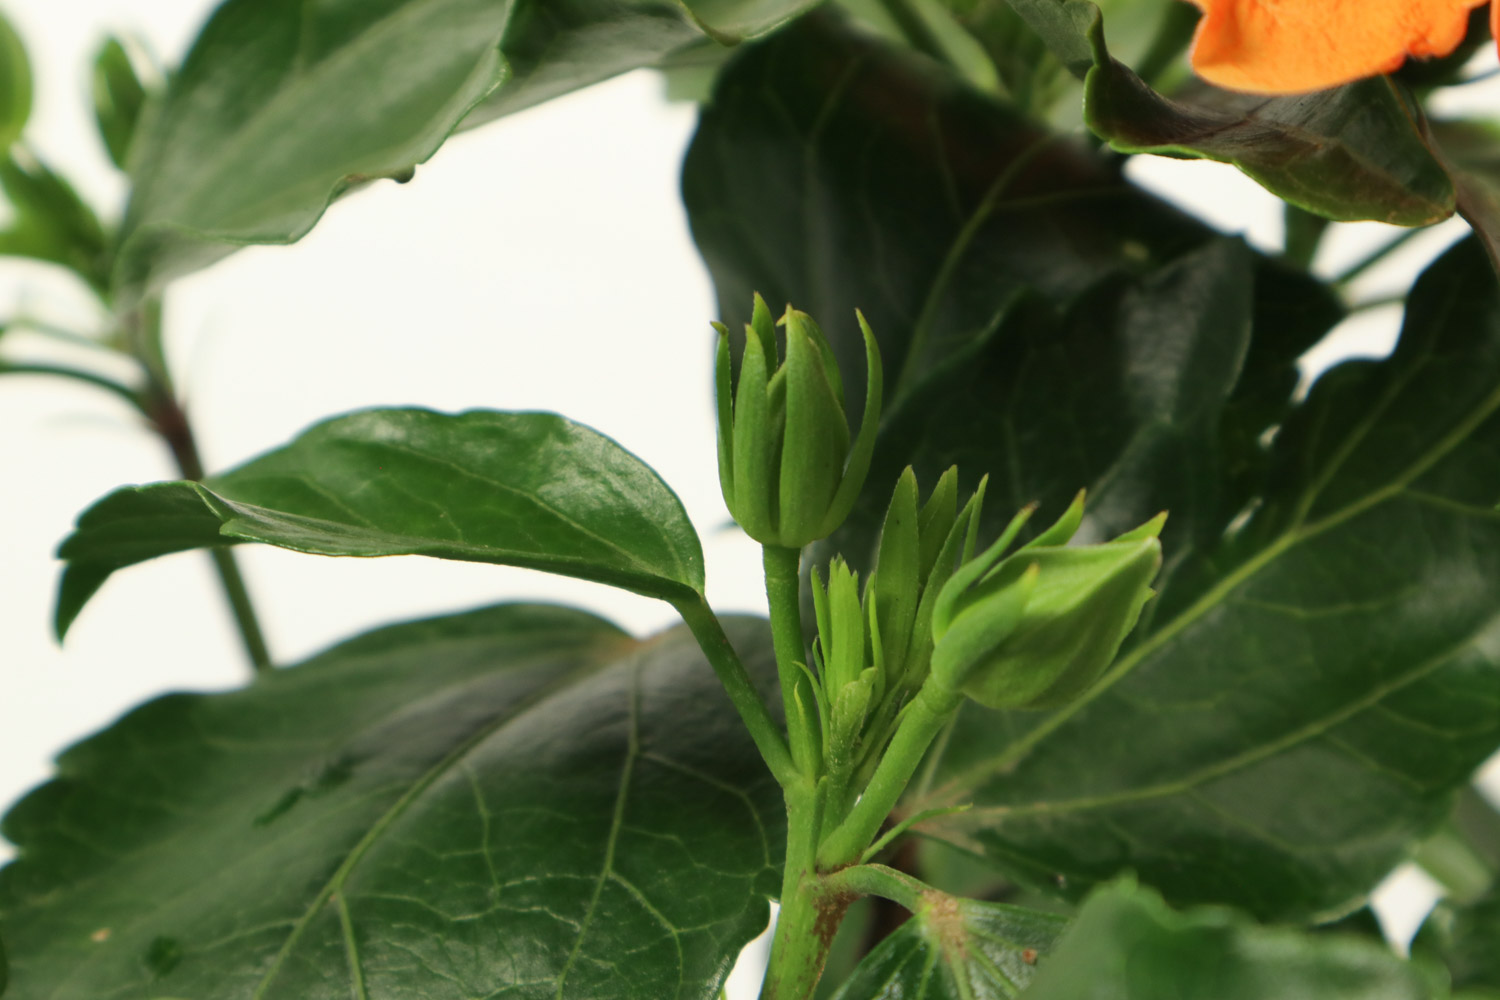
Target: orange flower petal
(1292, 46)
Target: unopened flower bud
(786, 465)
(1039, 627)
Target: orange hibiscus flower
(1291, 46)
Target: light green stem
(920, 724)
(704, 625)
(810, 915)
(783, 594)
(879, 880)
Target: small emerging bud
(1039, 627)
(788, 471)
(850, 685)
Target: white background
(540, 262)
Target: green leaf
(957, 949)
(517, 801)
(49, 221)
(15, 101)
(801, 183)
(281, 105)
(1126, 944)
(1463, 937)
(1312, 690)
(519, 489)
(118, 99)
(1350, 153)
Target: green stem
(920, 724)
(1304, 234)
(810, 914)
(238, 596)
(784, 595)
(705, 626)
(1377, 255)
(171, 423)
(879, 880)
(78, 375)
(1381, 302)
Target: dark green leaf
(1126, 944)
(519, 489)
(49, 221)
(957, 949)
(1349, 153)
(1466, 940)
(836, 174)
(282, 105)
(118, 99)
(1311, 691)
(15, 97)
(520, 801)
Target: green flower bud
(1038, 628)
(788, 471)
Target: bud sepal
(1039, 627)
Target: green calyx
(1037, 628)
(789, 472)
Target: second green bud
(1037, 628)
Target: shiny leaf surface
(519, 801)
(836, 174)
(519, 489)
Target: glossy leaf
(15, 90)
(517, 801)
(1310, 692)
(256, 135)
(958, 950)
(520, 489)
(1126, 944)
(837, 174)
(1464, 938)
(118, 99)
(49, 222)
(1349, 153)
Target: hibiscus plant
(1107, 656)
